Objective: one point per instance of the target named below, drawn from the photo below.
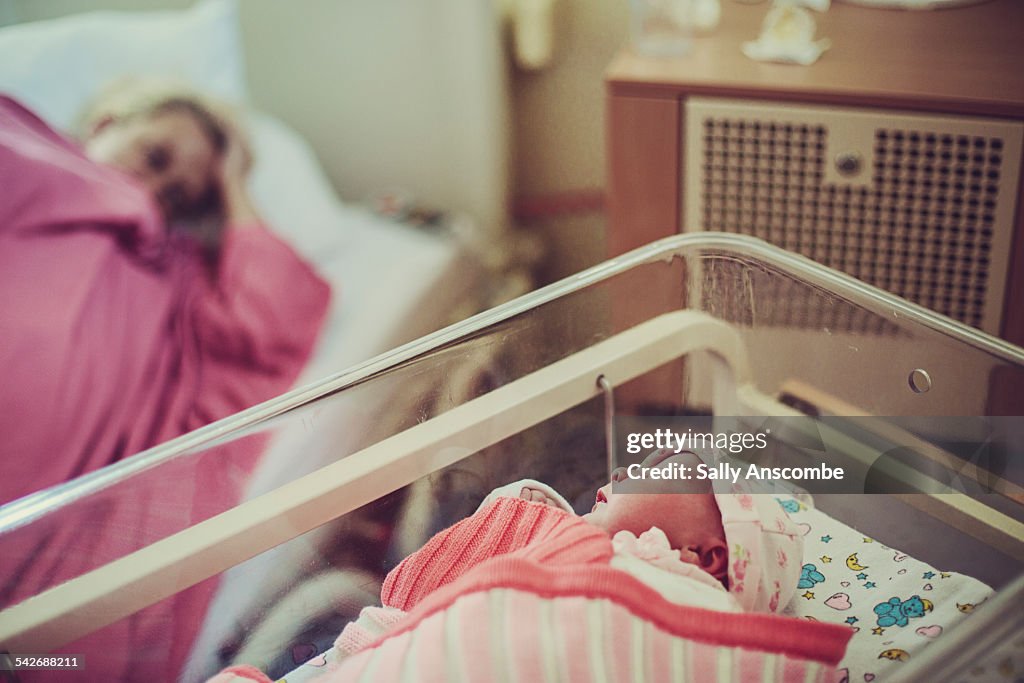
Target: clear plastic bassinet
(330, 485)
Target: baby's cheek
(596, 516)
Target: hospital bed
(709, 324)
(391, 282)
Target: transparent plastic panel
(818, 342)
(808, 333)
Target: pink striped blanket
(523, 592)
(518, 621)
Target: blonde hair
(132, 97)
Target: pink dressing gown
(114, 338)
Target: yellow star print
(809, 595)
(826, 559)
(878, 630)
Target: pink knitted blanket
(524, 592)
(519, 621)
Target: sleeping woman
(143, 296)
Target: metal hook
(609, 421)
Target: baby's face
(685, 510)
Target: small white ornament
(787, 35)
(706, 14)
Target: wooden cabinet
(908, 131)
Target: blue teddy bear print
(809, 575)
(790, 506)
(897, 613)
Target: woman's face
(168, 152)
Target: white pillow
(55, 67)
(292, 192)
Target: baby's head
(686, 510)
(744, 540)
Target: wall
(558, 124)
(423, 82)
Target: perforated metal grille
(920, 220)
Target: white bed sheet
(390, 284)
(390, 287)
(847, 574)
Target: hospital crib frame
(88, 602)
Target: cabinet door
(643, 170)
(920, 205)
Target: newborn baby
(526, 585)
(688, 530)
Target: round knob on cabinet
(848, 163)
